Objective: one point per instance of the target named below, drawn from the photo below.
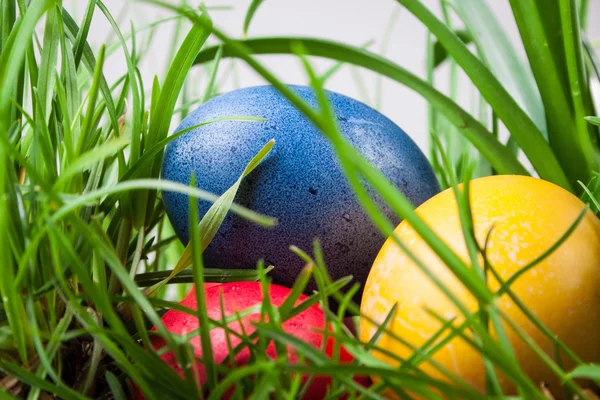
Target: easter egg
(300, 182)
(528, 216)
(238, 297)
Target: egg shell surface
(237, 297)
(528, 216)
(300, 182)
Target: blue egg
(300, 182)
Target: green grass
(87, 253)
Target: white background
(350, 21)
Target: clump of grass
(83, 266)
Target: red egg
(237, 297)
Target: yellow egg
(528, 215)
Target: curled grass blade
(500, 157)
(156, 184)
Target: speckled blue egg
(300, 182)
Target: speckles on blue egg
(300, 182)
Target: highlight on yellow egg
(516, 219)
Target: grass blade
(89, 61)
(88, 126)
(93, 156)
(593, 120)
(590, 371)
(197, 268)
(10, 60)
(82, 35)
(214, 217)
(541, 33)
(131, 74)
(578, 81)
(250, 14)
(210, 275)
(500, 157)
(12, 54)
(48, 60)
(210, 87)
(25, 376)
(501, 57)
(160, 121)
(521, 127)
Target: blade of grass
(160, 121)
(250, 14)
(48, 60)
(214, 217)
(541, 34)
(115, 387)
(579, 87)
(136, 91)
(590, 371)
(501, 57)
(440, 54)
(157, 184)
(483, 140)
(387, 35)
(13, 54)
(8, 16)
(93, 156)
(91, 197)
(10, 61)
(546, 359)
(297, 290)
(88, 126)
(25, 376)
(82, 35)
(197, 268)
(210, 275)
(210, 87)
(593, 120)
(148, 155)
(521, 127)
(485, 346)
(89, 61)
